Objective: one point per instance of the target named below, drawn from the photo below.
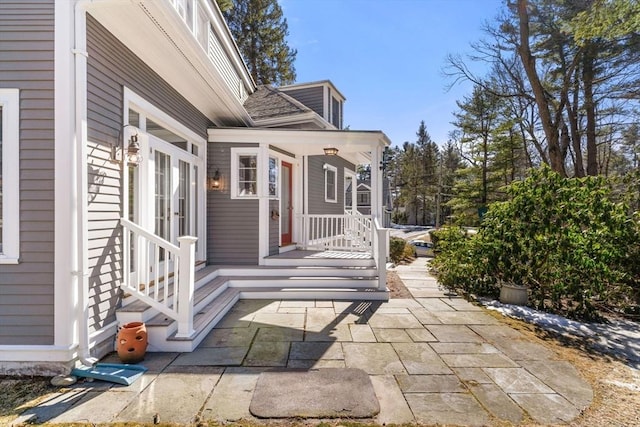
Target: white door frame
(145, 187)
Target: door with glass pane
(286, 218)
(174, 203)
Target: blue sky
(386, 57)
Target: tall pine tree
(260, 30)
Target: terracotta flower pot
(132, 342)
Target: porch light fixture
(132, 154)
(330, 151)
(214, 182)
(133, 151)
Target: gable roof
(268, 102)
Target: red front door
(286, 219)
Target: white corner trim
(65, 161)
(36, 353)
(10, 152)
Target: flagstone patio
(430, 359)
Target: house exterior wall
(312, 97)
(27, 64)
(111, 67)
(315, 175)
(232, 229)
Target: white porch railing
(348, 232)
(160, 273)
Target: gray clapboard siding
(317, 205)
(27, 64)
(232, 227)
(312, 97)
(111, 66)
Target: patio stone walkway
(431, 359)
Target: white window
(273, 177)
(9, 176)
(244, 173)
(330, 180)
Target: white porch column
(376, 183)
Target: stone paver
(229, 337)
(481, 360)
(268, 354)
(546, 408)
(564, 378)
(447, 408)
(497, 402)
(464, 318)
(393, 406)
(392, 335)
(463, 348)
(212, 356)
(279, 334)
(420, 335)
(312, 350)
(373, 358)
(362, 333)
(419, 358)
(454, 333)
(232, 395)
(175, 397)
(517, 380)
(394, 321)
(430, 384)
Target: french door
(173, 198)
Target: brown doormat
(322, 393)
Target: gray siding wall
(27, 63)
(111, 66)
(274, 228)
(317, 205)
(311, 97)
(232, 227)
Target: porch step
(320, 259)
(218, 288)
(207, 290)
(339, 294)
(162, 330)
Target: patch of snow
(620, 338)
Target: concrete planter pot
(514, 294)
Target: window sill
(8, 260)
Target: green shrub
(568, 240)
(399, 250)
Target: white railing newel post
(186, 285)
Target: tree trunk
(589, 106)
(550, 128)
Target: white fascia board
(311, 117)
(314, 140)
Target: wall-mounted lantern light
(330, 151)
(132, 154)
(214, 181)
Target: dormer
(322, 97)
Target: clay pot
(132, 342)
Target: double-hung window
(9, 176)
(244, 173)
(330, 180)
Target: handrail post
(381, 243)
(186, 285)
